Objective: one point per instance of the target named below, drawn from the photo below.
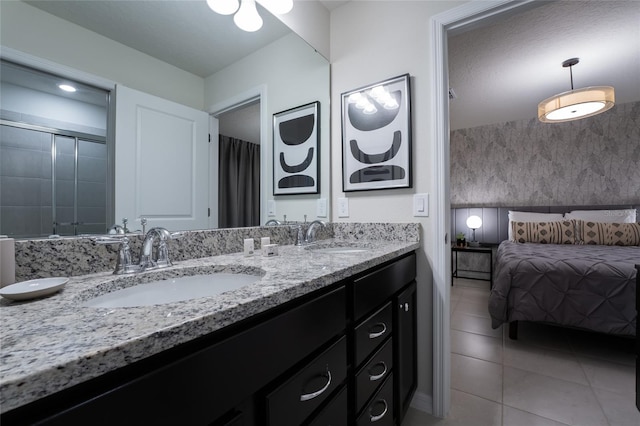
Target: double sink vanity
(320, 334)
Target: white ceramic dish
(32, 289)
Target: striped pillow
(610, 234)
(561, 232)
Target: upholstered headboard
(495, 220)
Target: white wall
(32, 31)
(294, 74)
(372, 41)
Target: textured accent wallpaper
(591, 161)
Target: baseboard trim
(423, 402)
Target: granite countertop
(53, 343)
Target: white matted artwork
(376, 136)
(296, 145)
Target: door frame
(466, 15)
(258, 93)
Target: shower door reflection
(52, 182)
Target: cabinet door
(406, 349)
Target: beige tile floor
(549, 376)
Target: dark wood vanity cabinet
(345, 355)
(384, 314)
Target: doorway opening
(239, 154)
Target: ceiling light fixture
(246, 15)
(576, 104)
(67, 88)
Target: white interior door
(162, 162)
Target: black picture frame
(376, 136)
(296, 150)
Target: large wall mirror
(274, 70)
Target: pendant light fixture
(576, 104)
(246, 15)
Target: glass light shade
(223, 7)
(576, 104)
(67, 88)
(474, 222)
(247, 17)
(278, 7)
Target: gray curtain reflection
(239, 183)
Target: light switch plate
(271, 208)
(321, 207)
(343, 207)
(420, 205)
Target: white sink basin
(172, 290)
(337, 248)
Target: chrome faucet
(162, 254)
(311, 230)
(273, 222)
(124, 262)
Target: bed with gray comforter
(585, 286)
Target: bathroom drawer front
(373, 374)
(372, 332)
(379, 411)
(298, 397)
(334, 414)
(373, 289)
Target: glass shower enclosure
(52, 182)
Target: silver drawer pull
(376, 377)
(376, 335)
(308, 396)
(373, 418)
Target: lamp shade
(474, 222)
(576, 104)
(247, 17)
(223, 7)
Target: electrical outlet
(321, 207)
(271, 208)
(420, 205)
(343, 207)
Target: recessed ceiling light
(67, 88)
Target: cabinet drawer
(372, 332)
(334, 414)
(373, 289)
(379, 411)
(298, 397)
(373, 373)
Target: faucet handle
(300, 236)
(162, 255)
(124, 261)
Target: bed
(585, 286)
(572, 266)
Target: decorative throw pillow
(518, 216)
(560, 232)
(610, 234)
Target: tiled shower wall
(590, 161)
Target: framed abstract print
(376, 136)
(296, 145)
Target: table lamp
(474, 222)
